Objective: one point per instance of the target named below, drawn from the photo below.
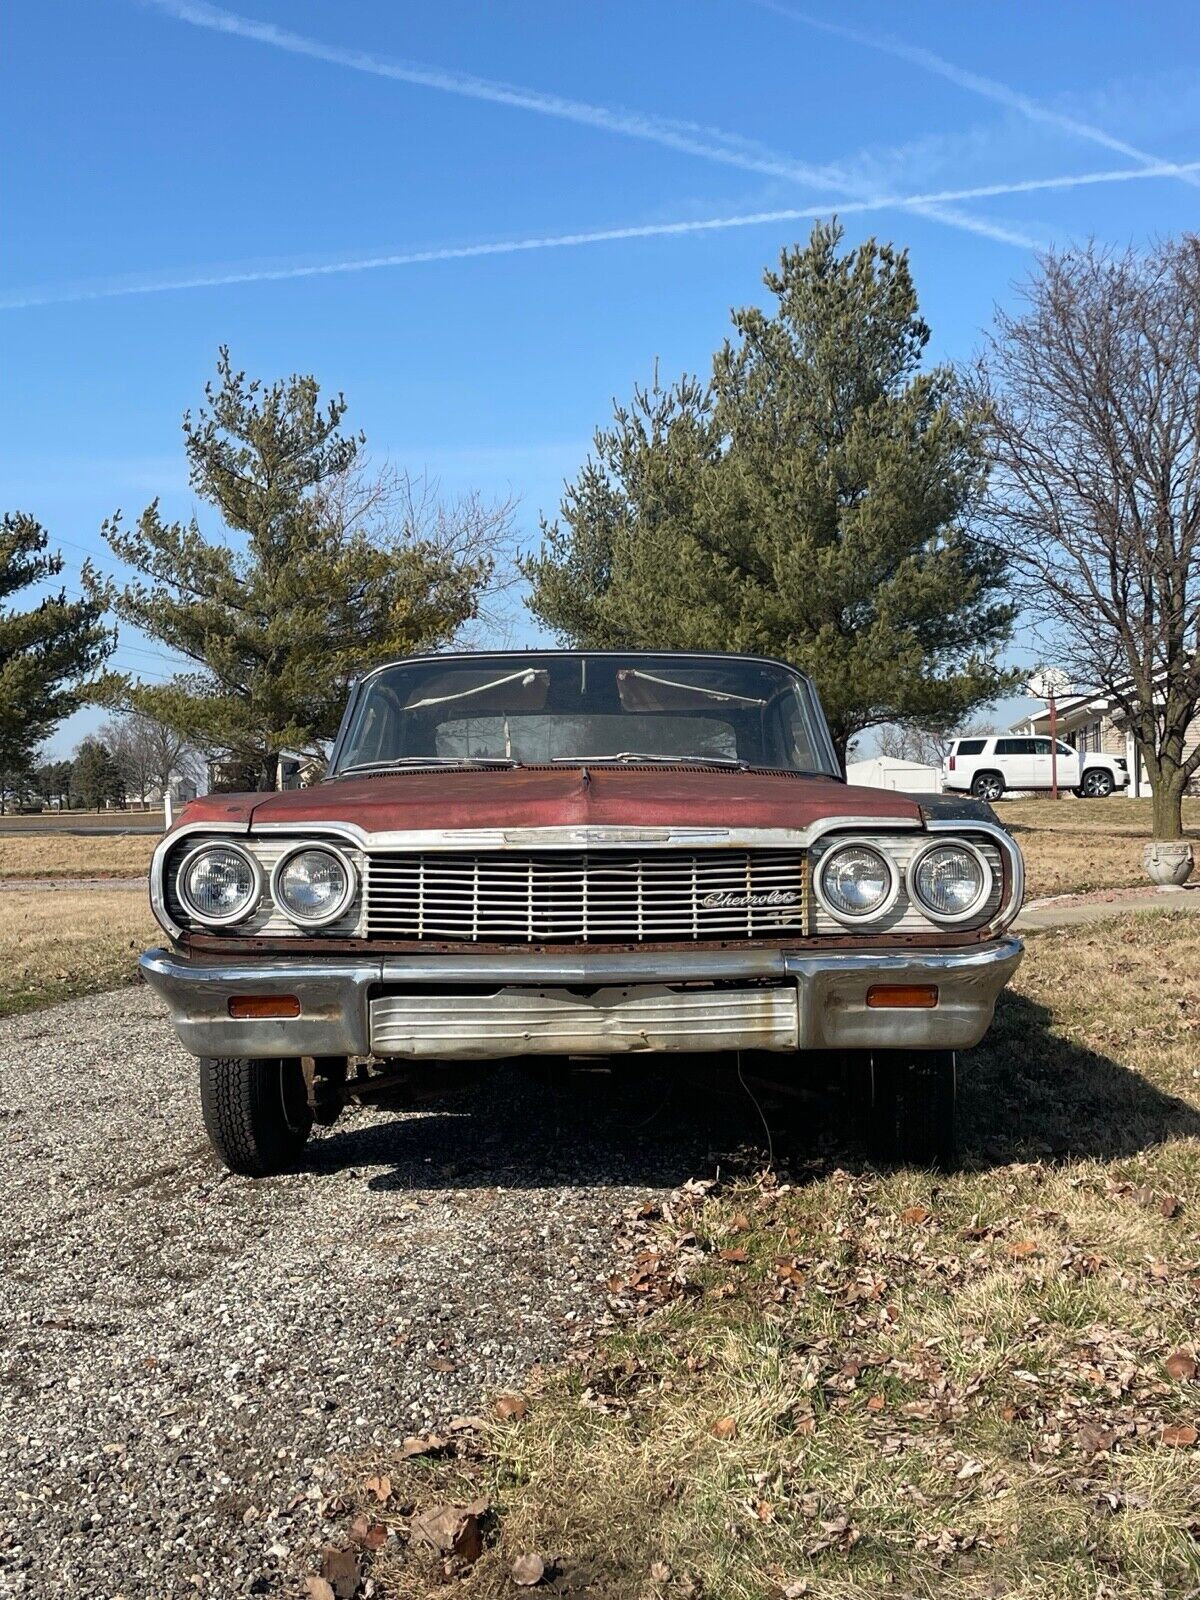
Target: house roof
(1072, 710)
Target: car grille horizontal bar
(566, 896)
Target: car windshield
(525, 709)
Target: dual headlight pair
(856, 882)
(222, 884)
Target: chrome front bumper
(523, 1002)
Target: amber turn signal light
(903, 996)
(245, 1007)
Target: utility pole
(1053, 743)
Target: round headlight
(313, 885)
(856, 882)
(219, 884)
(950, 881)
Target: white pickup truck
(989, 766)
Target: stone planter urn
(1168, 863)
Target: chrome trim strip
(158, 901)
(583, 836)
(1008, 911)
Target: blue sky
(174, 172)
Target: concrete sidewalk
(1074, 911)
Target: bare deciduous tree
(148, 754)
(1093, 394)
(926, 745)
(403, 510)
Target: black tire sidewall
(255, 1111)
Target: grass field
(60, 943)
(1074, 846)
(67, 855)
(838, 1382)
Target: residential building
(1091, 721)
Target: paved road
(183, 1353)
(86, 822)
(49, 885)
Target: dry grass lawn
(60, 943)
(1074, 846)
(841, 1382)
(69, 855)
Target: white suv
(989, 766)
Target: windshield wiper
(427, 762)
(646, 755)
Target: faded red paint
(561, 797)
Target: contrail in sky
(689, 138)
(25, 299)
(974, 82)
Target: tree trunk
(1167, 804)
(268, 775)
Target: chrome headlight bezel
(986, 878)
(229, 919)
(876, 913)
(340, 907)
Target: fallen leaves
(452, 1530)
(510, 1407)
(1179, 1436)
(1094, 1440)
(422, 1445)
(370, 1535)
(1181, 1365)
(724, 1428)
(379, 1487)
(340, 1573)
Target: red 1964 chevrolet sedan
(578, 854)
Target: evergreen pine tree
(810, 502)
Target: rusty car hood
(561, 796)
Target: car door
(1039, 764)
(1070, 764)
(1014, 758)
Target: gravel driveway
(183, 1354)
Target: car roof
(537, 654)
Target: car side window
(1041, 747)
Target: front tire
(911, 1107)
(987, 786)
(1096, 784)
(256, 1112)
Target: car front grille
(572, 896)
